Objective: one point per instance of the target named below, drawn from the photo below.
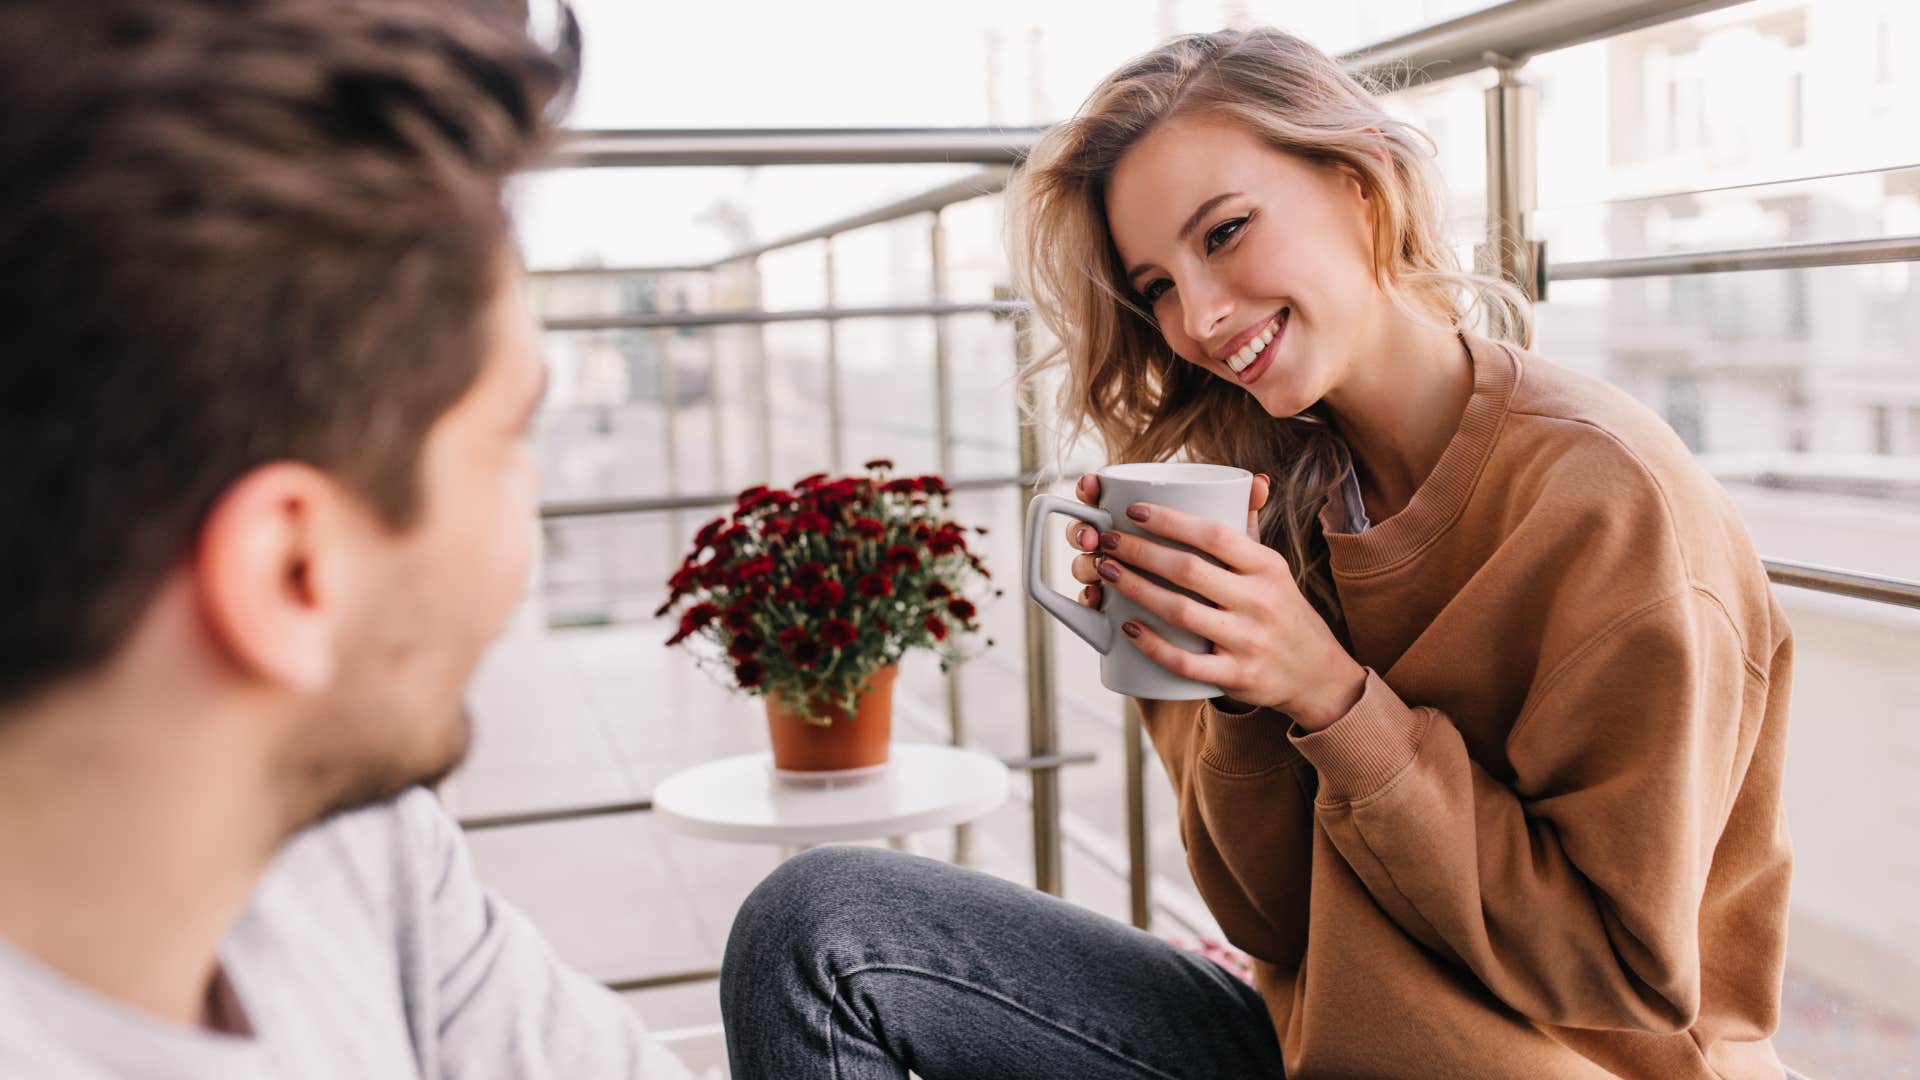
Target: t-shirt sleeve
(488, 997)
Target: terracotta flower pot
(856, 743)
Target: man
(265, 382)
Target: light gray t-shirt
(369, 951)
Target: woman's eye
(1155, 289)
(1222, 233)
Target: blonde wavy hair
(1121, 378)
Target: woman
(1495, 788)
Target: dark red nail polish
(1108, 570)
(1109, 541)
(1137, 512)
(1132, 629)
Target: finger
(1202, 667)
(1256, 501)
(1231, 546)
(1177, 608)
(1091, 596)
(1082, 537)
(1084, 571)
(1088, 489)
(1182, 568)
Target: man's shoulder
(366, 873)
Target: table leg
(903, 843)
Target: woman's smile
(1252, 351)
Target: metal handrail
(1827, 579)
(986, 182)
(653, 504)
(652, 320)
(1798, 256)
(1509, 33)
(794, 146)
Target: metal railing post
(669, 386)
(765, 381)
(943, 454)
(716, 439)
(1139, 870)
(1042, 725)
(836, 437)
(1511, 171)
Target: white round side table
(741, 800)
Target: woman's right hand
(1086, 538)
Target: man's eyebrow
(1192, 223)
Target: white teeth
(1239, 361)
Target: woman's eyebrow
(1192, 223)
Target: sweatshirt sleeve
(490, 997)
(1573, 887)
(1239, 768)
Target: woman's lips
(1264, 359)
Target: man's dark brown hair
(234, 232)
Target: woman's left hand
(1270, 647)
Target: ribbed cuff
(1241, 744)
(1358, 753)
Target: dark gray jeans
(857, 964)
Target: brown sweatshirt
(1548, 841)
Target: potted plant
(810, 597)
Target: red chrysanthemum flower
(937, 589)
(827, 594)
(937, 628)
(878, 463)
(698, 616)
(873, 586)
(743, 646)
(871, 528)
(749, 673)
(961, 609)
(806, 653)
(811, 521)
(837, 633)
(902, 557)
(738, 616)
(809, 574)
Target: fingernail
(1137, 512)
(1265, 477)
(1080, 537)
(1131, 628)
(1109, 570)
(1109, 541)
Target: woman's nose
(1206, 308)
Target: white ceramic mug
(1219, 492)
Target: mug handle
(1091, 625)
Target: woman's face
(1256, 264)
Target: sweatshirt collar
(1443, 495)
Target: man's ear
(269, 570)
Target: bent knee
(816, 897)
